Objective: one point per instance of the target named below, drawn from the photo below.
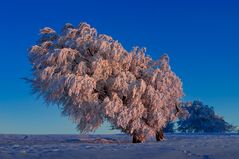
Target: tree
(202, 118)
(169, 127)
(93, 78)
(182, 113)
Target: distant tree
(93, 78)
(169, 127)
(182, 113)
(202, 118)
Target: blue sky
(201, 38)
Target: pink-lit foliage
(93, 78)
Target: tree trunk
(159, 135)
(138, 138)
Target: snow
(176, 146)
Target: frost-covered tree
(202, 118)
(92, 78)
(182, 114)
(169, 127)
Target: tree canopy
(202, 118)
(92, 78)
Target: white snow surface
(118, 146)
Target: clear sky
(201, 38)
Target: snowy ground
(177, 146)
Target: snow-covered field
(177, 146)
